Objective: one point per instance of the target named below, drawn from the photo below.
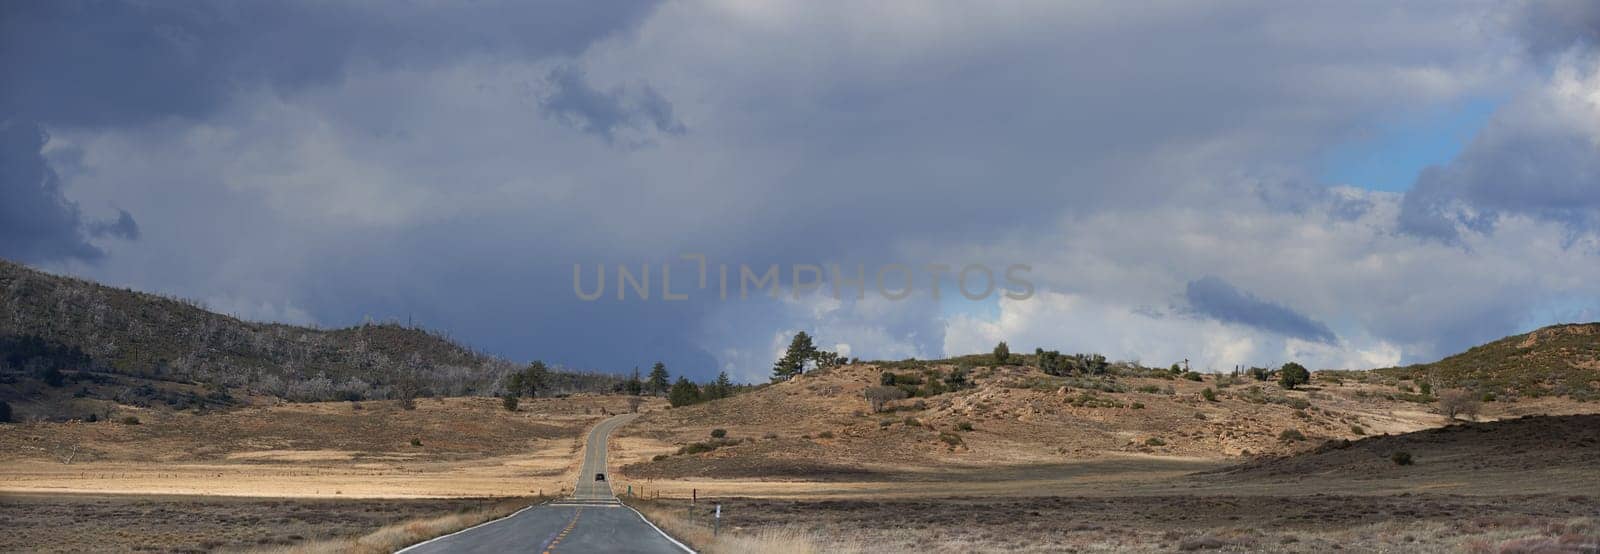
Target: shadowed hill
(51, 324)
(1560, 360)
(1517, 445)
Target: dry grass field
(464, 447)
(157, 523)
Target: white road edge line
(658, 530)
(490, 522)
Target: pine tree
(1002, 354)
(658, 379)
(635, 386)
(534, 378)
(683, 393)
(793, 362)
(721, 388)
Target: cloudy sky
(1347, 184)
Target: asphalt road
(591, 520)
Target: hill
(59, 333)
(1554, 451)
(1559, 360)
(820, 426)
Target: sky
(1348, 185)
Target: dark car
(599, 476)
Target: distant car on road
(599, 476)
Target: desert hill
(820, 426)
(1522, 445)
(1559, 360)
(62, 337)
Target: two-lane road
(591, 520)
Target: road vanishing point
(591, 520)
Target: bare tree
(1459, 402)
(633, 404)
(879, 396)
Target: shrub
(1192, 376)
(1297, 403)
(510, 402)
(912, 422)
(719, 433)
(1209, 395)
(416, 442)
(1137, 405)
(770, 436)
(1292, 375)
(1002, 354)
(130, 420)
(1401, 458)
(951, 439)
(878, 397)
(1149, 389)
(1199, 416)
(1458, 402)
(1357, 430)
(658, 457)
(825, 435)
(964, 426)
(885, 423)
(1291, 435)
(1155, 441)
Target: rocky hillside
(821, 426)
(56, 330)
(1560, 360)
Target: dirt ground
(1317, 523)
(121, 523)
(464, 447)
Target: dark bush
(1155, 441)
(416, 442)
(1291, 435)
(130, 420)
(1401, 458)
(719, 433)
(510, 402)
(964, 426)
(825, 435)
(1208, 394)
(951, 439)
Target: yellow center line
(563, 534)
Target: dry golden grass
(466, 447)
(400, 535)
(771, 540)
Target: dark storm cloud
(110, 62)
(123, 227)
(1535, 158)
(1217, 299)
(37, 223)
(1550, 27)
(577, 103)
